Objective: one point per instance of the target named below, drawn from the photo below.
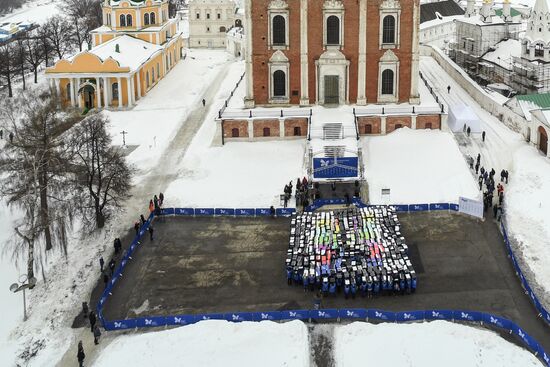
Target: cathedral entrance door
(332, 87)
(543, 140)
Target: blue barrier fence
(325, 314)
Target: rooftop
(430, 11)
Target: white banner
(470, 207)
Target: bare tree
(34, 53)
(58, 33)
(45, 45)
(20, 60)
(84, 16)
(7, 65)
(102, 170)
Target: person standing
(151, 231)
(448, 89)
(478, 158)
(136, 227)
(93, 320)
(161, 199)
(506, 176)
(11, 137)
(105, 279)
(480, 182)
(112, 266)
(101, 263)
(80, 355)
(97, 334)
(1, 134)
(151, 206)
(477, 168)
(85, 309)
(483, 136)
(468, 130)
(203, 102)
(142, 219)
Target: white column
(106, 88)
(413, 122)
(250, 129)
(57, 87)
(281, 128)
(71, 86)
(138, 16)
(130, 89)
(415, 96)
(304, 67)
(98, 93)
(80, 104)
(139, 83)
(362, 64)
(119, 81)
(249, 98)
(383, 124)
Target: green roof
(513, 12)
(542, 99)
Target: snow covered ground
(213, 343)
(37, 11)
(419, 166)
(434, 344)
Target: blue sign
(120, 324)
(271, 316)
(262, 212)
(210, 316)
(324, 314)
(353, 313)
(439, 206)
(438, 315)
(245, 212)
(184, 211)
(150, 321)
(222, 211)
(285, 212)
(204, 211)
(409, 316)
(337, 167)
(472, 316)
(401, 208)
(381, 315)
(453, 207)
(527, 339)
(418, 207)
(181, 320)
(497, 321)
(239, 316)
(295, 315)
(167, 211)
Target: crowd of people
(486, 182)
(301, 194)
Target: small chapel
(137, 45)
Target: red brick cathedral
(304, 52)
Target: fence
(484, 319)
(265, 113)
(226, 102)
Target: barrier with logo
(226, 212)
(484, 319)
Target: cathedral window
(279, 30)
(539, 50)
(146, 18)
(128, 20)
(388, 29)
(114, 91)
(387, 81)
(333, 30)
(123, 20)
(153, 20)
(279, 83)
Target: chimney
(506, 15)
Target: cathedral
(331, 52)
(137, 45)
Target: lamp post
(16, 287)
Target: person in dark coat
(97, 334)
(105, 279)
(142, 219)
(286, 200)
(272, 211)
(478, 158)
(1, 134)
(495, 209)
(151, 231)
(502, 175)
(161, 199)
(85, 309)
(112, 264)
(480, 182)
(483, 136)
(468, 130)
(482, 170)
(492, 172)
(506, 176)
(11, 137)
(501, 197)
(448, 89)
(117, 245)
(203, 102)
(93, 320)
(101, 263)
(80, 355)
(477, 168)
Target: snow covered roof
(435, 10)
(530, 102)
(503, 53)
(132, 52)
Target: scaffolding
(530, 77)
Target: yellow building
(136, 47)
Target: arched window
(279, 30)
(114, 90)
(267, 131)
(222, 29)
(388, 29)
(153, 18)
(128, 20)
(297, 131)
(68, 91)
(122, 20)
(333, 30)
(146, 19)
(158, 71)
(147, 79)
(387, 81)
(279, 83)
(234, 132)
(539, 50)
(398, 126)
(153, 75)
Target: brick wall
(290, 124)
(423, 120)
(272, 124)
(229, 125)
(393, 121)
(375, 125)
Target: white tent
(460, 115)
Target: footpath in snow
(527, 196)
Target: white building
(209, 21)
(437, 22)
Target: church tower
(537, 35)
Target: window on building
(198, 15)
(368, 129)
(279, 30)
(539, 50)
(219, 16)
(388, 29)
(129, 20)
(387, 81)
(207, 16)
(208, 29)
(152, 17)
(122, 20)
(267, 131)
(153, 76)
(297, 131)
(147, 79)
(146, 18)
(114, 91)
(398, 126)
(333, 30)
(279, 83)
(68, 91)
(428, 125)
(167, 34)
(234, 132)
(222, 29)
(158, 71)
